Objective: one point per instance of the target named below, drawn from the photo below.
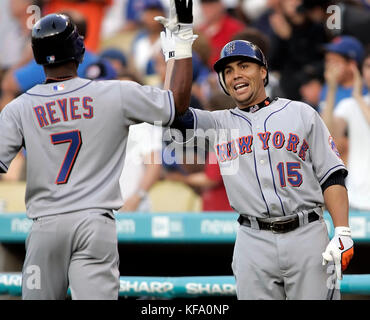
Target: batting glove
(168, 44)
(179, 28)
(339, 250)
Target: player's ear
(263, 73)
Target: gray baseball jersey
(75, 134)
(272, 161)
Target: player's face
(244, 82)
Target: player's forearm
(336, 202)
(169, 70)
(180, 82)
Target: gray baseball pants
(76, 250)
(272, 266)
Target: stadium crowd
(318, 51)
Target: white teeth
(241, 85)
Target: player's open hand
(181, 12)
(339, 250)
(178, 37)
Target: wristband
(342, 231)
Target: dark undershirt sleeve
(336, 177)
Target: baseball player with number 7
(75, 133)
(280, 168)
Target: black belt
(279, 226)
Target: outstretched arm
(180, 83)
(177, 40)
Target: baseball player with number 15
(75, 132)
(280, 167)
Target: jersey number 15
(294, 176)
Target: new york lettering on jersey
(242, 146)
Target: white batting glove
(179, 27)
(168, 44)
(339, 250)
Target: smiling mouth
(241, 87)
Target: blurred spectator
(262, 22)
(116, 58)
(340, 56)
(353, 115)
(296, 43)
(114, 19)
(15, 44)
(254, 9)
(133, 9)
(353, 17)
(218, 26)
(92, 10)
(147, 42)
(100, 70)
(234, 9)
(133, 12)
(310, 85)
(21, 79)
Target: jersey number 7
(75, 141)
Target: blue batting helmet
(235, 50)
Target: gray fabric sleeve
(324, 154)
(11, 136)
(147, 103)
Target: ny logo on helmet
(230, 48)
